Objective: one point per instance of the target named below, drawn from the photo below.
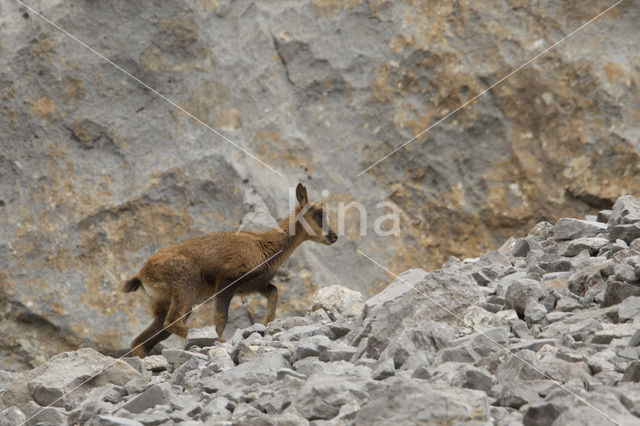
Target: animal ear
(301, 195)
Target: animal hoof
(139, 352)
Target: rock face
(437, 347)
(97, 172)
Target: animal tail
(131, 285)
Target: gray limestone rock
(632, 373)
(412, 347)
(570, 229)
(625, 206)
(601, 361)
(403, 284)
(615, 331)
(217, 410)
(439, 296)
(159, 394)
(608, 409)
(515, 394)
(567, 304)
(542, 414)
(12, 416)
(625, 272)
(312, 346)
(534, 312)
(255, 328)
(563, 371)
(592, 244)
(629, 309)
(630, 397)
(462, 375)
(521, 292)
(617, 291)
(51, 382)
(635, 339)
(339, 352)
(627, 232)
(108, 420)
(604, 216)
(155, 363)
(520, 329)
(322, 395)
(542, 231)
(259, 370)
(37, 415)
(556, 316)
(177, 357)
(405, 402)
(384, 369)
(337, 300)
(590, 275)
(525, 245)
(203, 337)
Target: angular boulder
(66, 376)
(336, 300)
(522, 292)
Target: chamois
(226, 263)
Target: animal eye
(317, 217)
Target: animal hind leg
(153, 334)
(183, 295)
(271, 293)
(179, 310)
(222, 301)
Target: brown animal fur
(195, 269)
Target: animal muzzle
(332, 237)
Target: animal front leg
(271, 293)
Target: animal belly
(251, 286)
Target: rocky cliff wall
(97, 172)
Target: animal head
(312, 219)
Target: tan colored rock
(318, 90)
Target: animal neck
(279, 242)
